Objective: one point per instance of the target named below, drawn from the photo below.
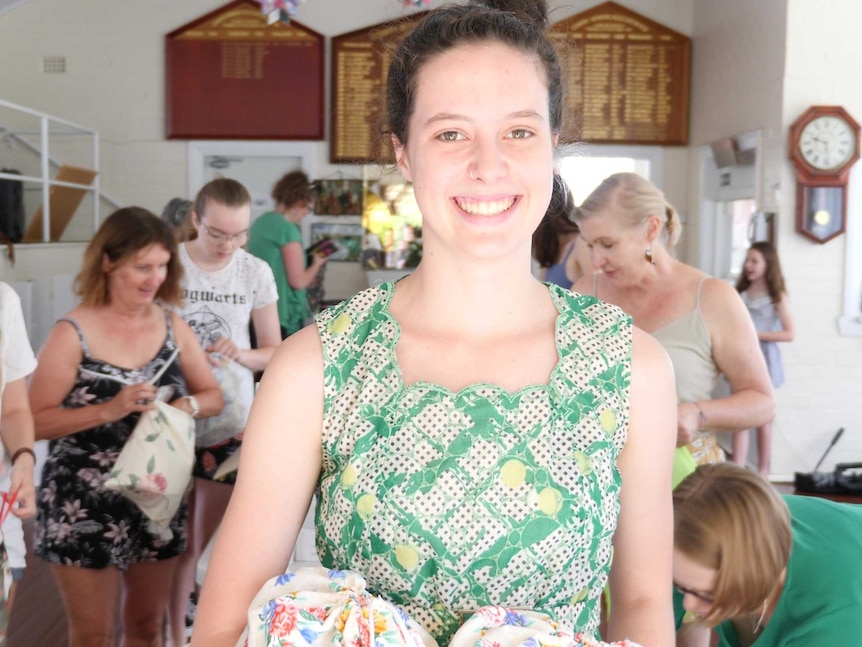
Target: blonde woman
(631, 230)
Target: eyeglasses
(703, 597)
(220, 238)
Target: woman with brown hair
(276, 238)
(97, 541)
(224, 290)
(763, 569)
(476, 438)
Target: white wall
(743, 81)
(824, 379)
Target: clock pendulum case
(824, 145)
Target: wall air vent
(53, 65)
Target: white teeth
(485, 208)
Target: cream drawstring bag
(155, 465)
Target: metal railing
(43, 150)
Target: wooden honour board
(230, 75)
(360, 62)
(627, 78)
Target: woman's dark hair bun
(534, 12)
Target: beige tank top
(689, 347)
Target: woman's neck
(472, 302)
(758, 286)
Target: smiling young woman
(467, 428)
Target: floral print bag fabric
(155, 466)
(330, 608)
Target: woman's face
(695, 582)
(222, 230)
(480, 153)
(137, 280)
(754, 266)
(615, 250)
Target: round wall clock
(824, 145)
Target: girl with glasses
(224, 289)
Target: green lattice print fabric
(446, 502)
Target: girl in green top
(766, 570)
(275, 237)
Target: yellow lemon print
(608, 420)
(365, 505)
(513, 473)
(580, 596)
(550, 501)
(407, 557)
(348, 477)
(585, 463)
(340, 324)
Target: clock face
(827, 142)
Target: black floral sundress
(80, 523)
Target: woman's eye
(521, 133)
(449, 136)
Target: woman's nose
(489, 162)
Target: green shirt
(822, 599)
(269, 233)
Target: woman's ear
(401, 158)
(107, 264)
(653, 228)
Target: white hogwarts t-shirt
(219, 304)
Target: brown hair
(520, 24)
(293, 187)
(774, 277)
(730, 519)
(632, 199)
(555, 223)
(122, 235)
(224, 191)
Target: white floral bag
(319, 607)
(154, 467)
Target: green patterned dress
(446, 502)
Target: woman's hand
(22, 482)
(688, 423)
(224, 346)
(134, 398)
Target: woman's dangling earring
(648, 256)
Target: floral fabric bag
(154, 467)
(231, 421)
(318, 607)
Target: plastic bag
(231, 421)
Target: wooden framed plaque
(627, 78)
(360, 62)
(230, 75)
